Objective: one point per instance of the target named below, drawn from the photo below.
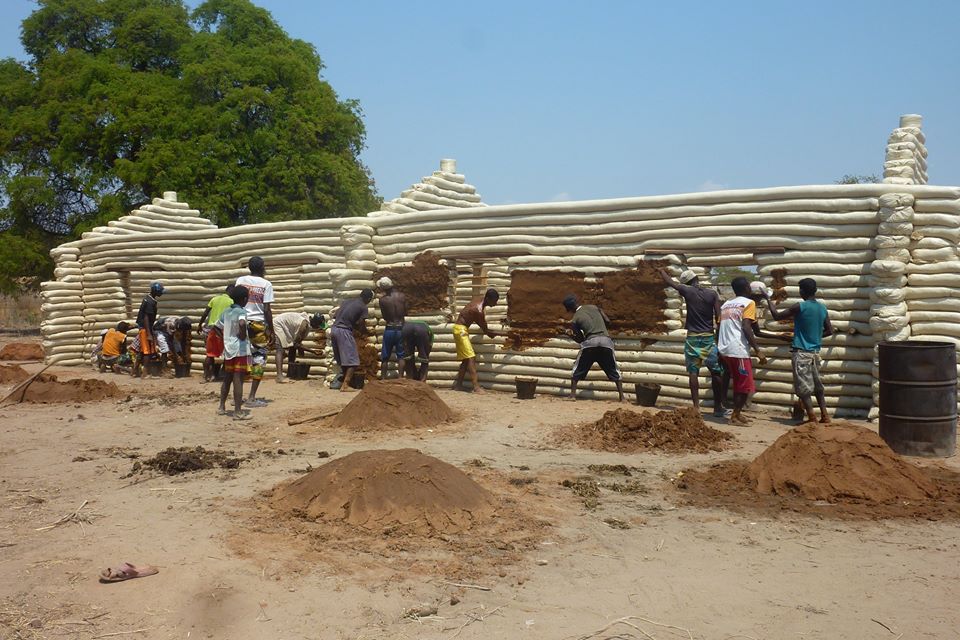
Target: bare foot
(824, 419)
(282, 381)
(570, 398)
(478, 390)
(346, 389)
(739, 420)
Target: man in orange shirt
(112, 346)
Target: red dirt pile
(22, 351)
(47, 389)
(840, 470)
(837, 462)
(625, 431)
(425, 284)
(394, 404)
(12, 374)
(389, 489)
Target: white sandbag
(934, 255)
(887, 268)
(887, 295)
(890, 242)
(898, 254)
(896, 200)
(886, 324)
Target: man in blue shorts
(700, 347)
(393, 309)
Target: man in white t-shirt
(734, 342)
(259, 322)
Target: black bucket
(182, 370)
(357, 381)
(152, 368)
(918, 397)
(647, 393)
(526, 387)
(298, 371)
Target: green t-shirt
(808, 326)
(217, 305)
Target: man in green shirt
(208, 327)
(810, 325)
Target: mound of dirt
(388, 489)
(186, 459)
(22, 351)
(47, 389)
(394, 404)
(12, 374)
(837, 462)
(625, 431)
(841, 470)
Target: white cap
(687, 276)
(384, 283)
(760, 289)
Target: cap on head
(570, 302)
(255, 264)
(384, 283)
(687, 276)
(156, 289)
(758, 288)
(808, 287)
(317, 321)
(366, 295)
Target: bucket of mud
(182, 370)
(647, 393)
(526, 387)
(152, 368)
(357, 381)
(298, 371)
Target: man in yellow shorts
(473, 313)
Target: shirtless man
(473, 313)
(393, 308)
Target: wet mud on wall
(634, 300)
(425, 283)
(779, 285)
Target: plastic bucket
(357, 381)
(152, 368)
(647, 393)
(182, 370)
(298, 371)
(526, 387)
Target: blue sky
(573, 100)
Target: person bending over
(589, 324)
(352, 314)
(473, 313)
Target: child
(112, 347)
(236, 353)
(212, 336)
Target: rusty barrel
(918, 397)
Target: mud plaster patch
(425, 283)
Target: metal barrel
(918, 397)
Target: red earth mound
(841, 470)
(625, 431)
(12, 374)
(47, 389)
(22, 351)
(394, 404)
(383, 489)
(837, 462)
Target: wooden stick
(467, 586)
(882, 625)
(122, 633)
(319, 416)
(26, 383)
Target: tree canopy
(123, 99)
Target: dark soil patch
(625, 431)
(425, 284)
(186, 459)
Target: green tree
(123, 99)
(859, 179)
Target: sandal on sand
(223, 412)
(127, 571)
(242, 415)
(255, 403)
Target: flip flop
(256, 404)
(222, 412)
(127, 571)
(242, 415)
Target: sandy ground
(717, 574)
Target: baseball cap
(687, 276)
(759, 288)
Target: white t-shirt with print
(261, 293)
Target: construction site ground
(77, 496)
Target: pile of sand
(47, 389)
(625, 431)
(840, 470)
(394, 404)
(22, 351)
(837, 462)
(384, 489)
(12, 374)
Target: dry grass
(21, 312)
